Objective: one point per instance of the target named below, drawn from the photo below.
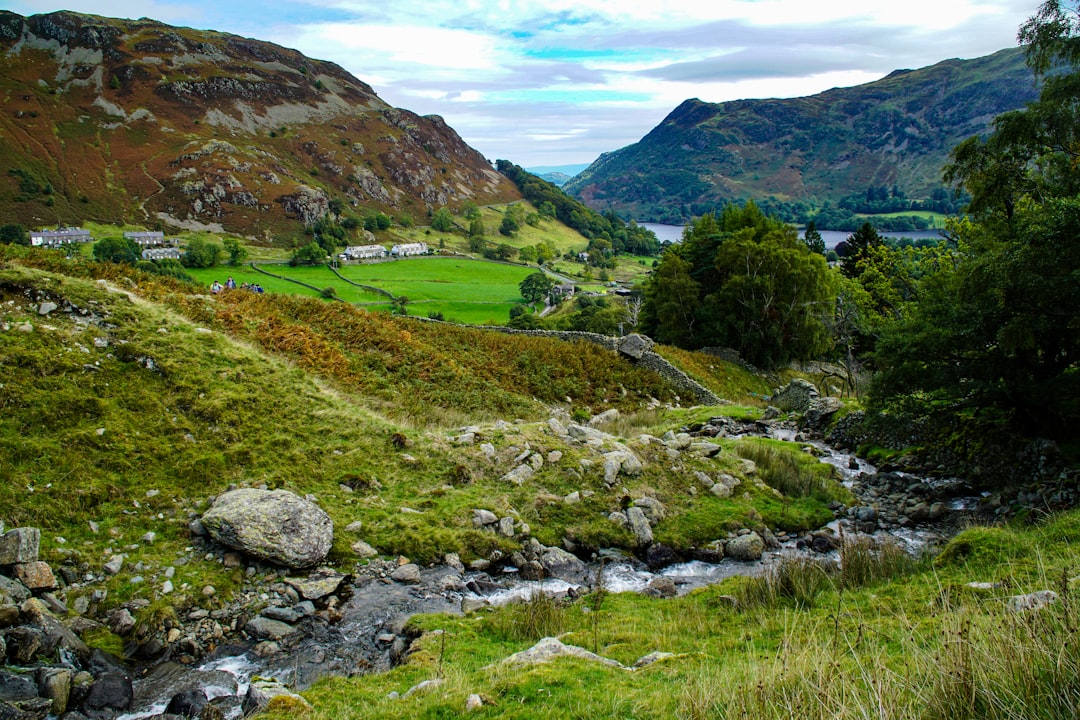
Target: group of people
(230, 284)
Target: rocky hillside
(137, 121)
(895, 131)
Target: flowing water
(363, 640)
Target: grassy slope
(912, 643)
(193, 392)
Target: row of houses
(61, 236)
(368, 252)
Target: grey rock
(408, 573)
(318, 584)
(16, 686)
(603, 418)
(821, 411)
(363, 550)
(264, 628)
(115, 564)
(639, 525)
(564, 565)
(46, 307)
(660, 587)
(111, 691)
(747, 548)
(19, 546)
(550, 648)
(483, 518)
(1032, 601)
(506, 527)
(634, 346)
(281, 614)
(619, 519)
(55, 635)
(652, 657)
(519, 475)
(12, 591)
(796, 396)
(121, 622)
(55, 684)
(277, 526)
(423, 686)
(653, 509)
(587, 435)
(263, 690)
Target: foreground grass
(907, 640)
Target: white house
(56, 238)
(406, 249)
(361, 252)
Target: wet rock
(659, 556)
(318, 584)
(187, 703)
(277, 526)
(660, 587)
(564, 565)
(264, 628)
(746, 548)
(639, 525)
(16, 686)
(263, 690)
(9, 615)
(111, 691)
(55, 635)
(408, 574)
(285, 615)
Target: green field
(463, 290)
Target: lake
(832, 238)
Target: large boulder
(276, 526)
(747, 548)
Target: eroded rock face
(273, 525)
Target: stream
(368, 635)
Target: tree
(536, 287)
(670, 300)
(201, 253)
(237, 252)
(994, 334)
(813, 238)
(858, 244)
(476, 230)
(117, 249)
(442, 220)
(14, 234)
(310, 254)
(509, 225)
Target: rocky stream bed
(297, 627)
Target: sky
(558, 82)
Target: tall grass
(790, 471)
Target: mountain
(557, 179)
(896, 131)
(137, 121)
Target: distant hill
(896, 131)
(557, 179)
(137, 121)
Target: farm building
(361, 252)
(407, 249)
(56, 238)
(162, 253)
